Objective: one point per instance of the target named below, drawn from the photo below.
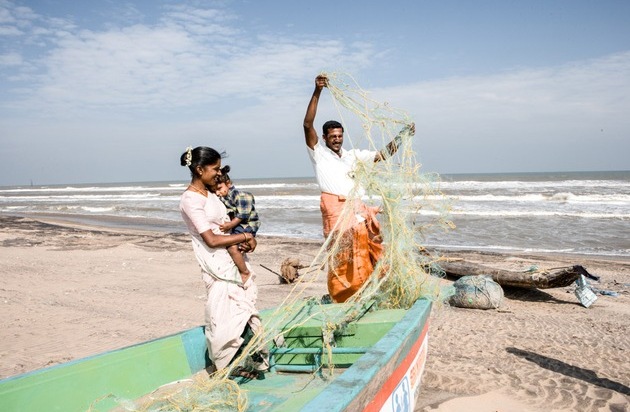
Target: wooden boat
(378, 363)
(535, 278)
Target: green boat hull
(378, 359)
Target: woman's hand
(248, 244)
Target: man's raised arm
(392, 147)
(309, 131)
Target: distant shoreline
(63, 220)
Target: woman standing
(231, 317)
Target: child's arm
(228, 226)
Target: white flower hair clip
(188, 156)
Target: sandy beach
(71, 291)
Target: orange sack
(358, 246)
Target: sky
(114, 91)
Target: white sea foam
(540, 213)
(300, 186)
(545, 212)
(97, 209)
(532, 185)
(563, 197)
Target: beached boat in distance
(378, 362)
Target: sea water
(567, 212)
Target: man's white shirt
(335, 174)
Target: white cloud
(10, 31)
(11, 59)
(525, 118)
(192, 56)
(15, 20)
(572, 92)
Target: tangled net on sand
(477, 292)
(411, 207)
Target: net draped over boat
(410, 206)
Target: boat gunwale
(349, 391)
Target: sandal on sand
(246, 373)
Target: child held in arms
(242, 211)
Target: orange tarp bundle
(358, 246)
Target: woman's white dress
(230, 305)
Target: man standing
(357, 239)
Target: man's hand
(321, 81)
(392, 147)
(411, 127)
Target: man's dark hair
(331, 124)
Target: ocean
(563, 212)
